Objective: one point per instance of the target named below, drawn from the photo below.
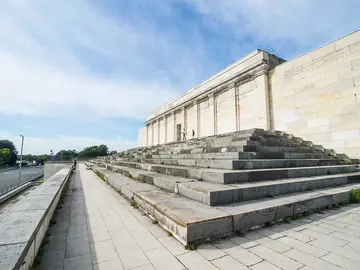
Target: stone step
(242, 164)
(243, 148)
(191, 221)
(187, 220)
(249, 214)
(218, 194)
(278, 149)
(234, 177)
(241, 155)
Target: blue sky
(77, 73)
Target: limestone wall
(317, 95)
(170, 128)
(252, 104)
(191, 120)
(225, 112)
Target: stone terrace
(207, 188)
(96, 228)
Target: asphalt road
(11, 178)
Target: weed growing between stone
(155, 222)
(355, 196)
(134, 204)
(191, 246)
(170, 234)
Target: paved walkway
(96, 228)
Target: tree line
(9, 155)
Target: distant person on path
(75, 163)
(193, 134)
(184, 135)
(51, 156)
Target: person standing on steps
(184, 135)
(193, 133)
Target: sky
(87, 72)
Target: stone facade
(315, 96)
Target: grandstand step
(242, 164)
(241, 155)
(234, 177)
(218, 194)
(191, 221)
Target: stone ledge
(23, 229)
(191, 221)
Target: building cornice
(239, 78)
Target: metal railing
(5, 188)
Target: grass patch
(191, 246)
(355, 196)
(170, 234)
(155, 222)
(134, 204)
(40, 180)
(295, 217)
(130, 175)
(101, 175)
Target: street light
(22, 145)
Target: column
(184, 117)
(152, 132)
(158, 131)
(237, 107)
(212, 116)
(215, 114)
(174, 126)
(197, 134)
(147, 135)
(166, 118)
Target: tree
(13, 153)
(4, 156)
(66, 155)
(94, 151)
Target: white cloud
(71, 57)
(34, 145)
(282, 23)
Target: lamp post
(22, 145)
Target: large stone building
(315, 96)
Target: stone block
(346, 135)
(318, 122)
(323, 51)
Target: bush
(355, 196)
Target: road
(9, 178)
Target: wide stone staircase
(214, 186)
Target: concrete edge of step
(257, 215)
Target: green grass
(355, 196)
(134, 204)
(155, 222)
(170, 234)
(40, 180)
(191, 246)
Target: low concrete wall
(23, 229)
(50, 168)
